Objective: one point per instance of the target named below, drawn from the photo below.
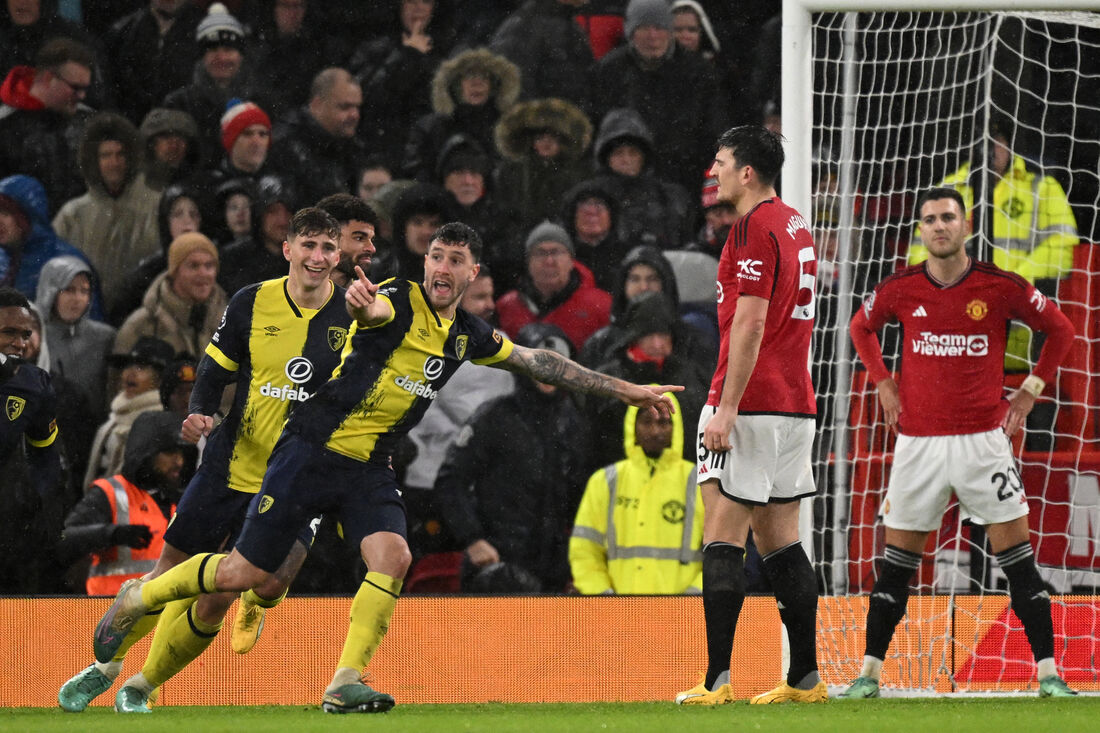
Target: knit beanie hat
(184, 245)
(647, 12)
(219, 28)
(238, 116)
(549, 232)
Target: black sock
(792, 578)
(1030, 600)
(888, 599)
(723, 596)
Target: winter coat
(451, 116)
(42, 243)
(109, 446)
(78, 351)
(205, 101)
(522, 501)
(551, 51)
(316, 163)
(677, 100)
(169, 317)
(145, 65)
(647, 314)
(160, 120)
(580, 308)
(39, 142)
(115, 232)
(652, 210)
(527, 183)
(639, 528)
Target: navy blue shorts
(304, 480)
(210, 515)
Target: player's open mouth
(441, 286)
(315, 270)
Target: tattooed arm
(550, 367)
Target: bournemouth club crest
(13, 408)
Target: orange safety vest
(129, 505)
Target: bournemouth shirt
(770, 254)
(390, 374)
(29, 405)
(281, 353)
(953, 336)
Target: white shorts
(978, 468)
(768, 460)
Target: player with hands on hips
(953, 438)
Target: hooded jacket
(41, 243)
(532, 185)
(689, 365)
(160, 121)
(639, 527)
(451, 116)
(130, 496)
(651, 210)
(114, 230)
(598, 348)
(78, 351)
(249, 260)
(40, 142)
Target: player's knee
(387, 553)
(212, 608)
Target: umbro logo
(920, 312)
(272, 330)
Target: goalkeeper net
(902, 101)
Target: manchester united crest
(14, 407)
(337, 336)
(977, 309)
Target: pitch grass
(955, 715)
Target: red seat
(435, 574)
(1078, 422)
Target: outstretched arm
(550, 367)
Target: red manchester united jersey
(953, 336)
(770, 254)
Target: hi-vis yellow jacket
(1034, 233)
(639, 527)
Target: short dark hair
(312, 220)
(57, 52)
(343, 207)
(12, 298)
(757, 146)
(941, 192)
(456, 233)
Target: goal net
(901, 101)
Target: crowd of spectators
(153, 151)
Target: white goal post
(857, 101)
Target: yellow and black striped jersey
(280, 353)
(389, 374)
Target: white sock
(139, 682)
(344, 676)
(1047, 668)
(872, 668)
(110, 670)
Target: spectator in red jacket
(556, 289)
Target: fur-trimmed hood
(518, 127)
(502, 73)
(161, 120)
(101, 128)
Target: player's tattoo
(550, 367)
